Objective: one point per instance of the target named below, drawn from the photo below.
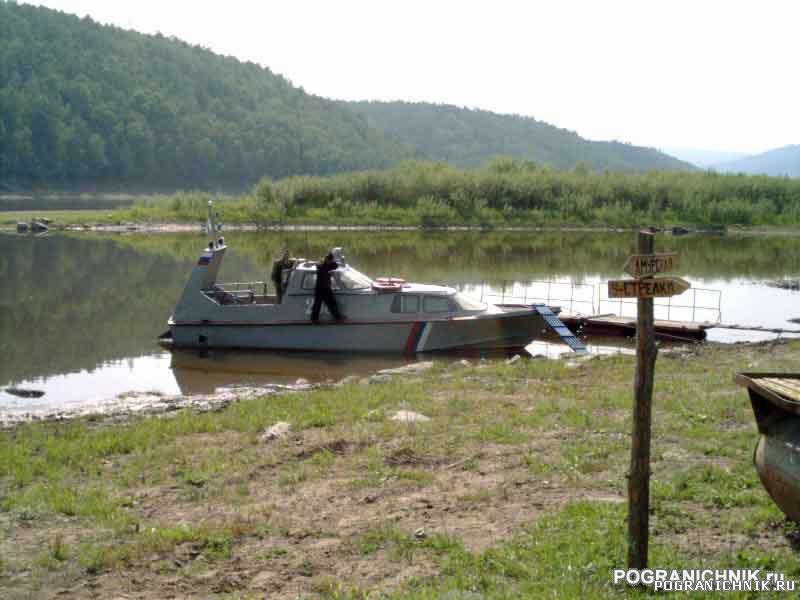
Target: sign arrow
(657, 287)
(644, 265)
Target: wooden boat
(775, 398)
(613, 325)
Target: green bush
(432, 212)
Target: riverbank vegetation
(505, 192)
(515, 487)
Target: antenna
(213, 226)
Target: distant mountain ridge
(778, 162)
(84, 104)
(703, 158)
(468, 138)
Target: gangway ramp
(564, 332)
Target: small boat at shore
(24, 392)
(382, 315)
(35, 226)
(775, 398)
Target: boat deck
(781, 389)
(786, 387)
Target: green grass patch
(570, 554)
(69, 500)
(55, 554)
(215, 545)
(402, 545)
(715, 487)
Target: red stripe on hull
(413, 338)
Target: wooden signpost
(652, 287)
(643, 266)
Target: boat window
(404, 303)
(436, 304)
(350, 279)
(467, 303)
(309, 281)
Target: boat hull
(775, 399)
(776, 458)
(506, 330)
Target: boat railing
(694, 305)
(572, 297)
(243, 289)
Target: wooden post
(639, 477)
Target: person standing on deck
(323, 291)
(284, 262)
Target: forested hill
(778, 162)
(82, 103)
(86, 105)
(468, 138)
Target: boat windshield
(467, 303)
(350, 279)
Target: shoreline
(178, 227)
(132, 405)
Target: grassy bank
(505, 192)
(514, 488)
(65, 218)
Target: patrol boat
(382, 315)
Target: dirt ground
(314, 529)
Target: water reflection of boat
(551, 347)
(775, 398)
(204, 372)
(403, 317)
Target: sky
(716, 75)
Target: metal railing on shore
(674, 307)
(592, 299)
(572, 297)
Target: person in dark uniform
(284, 262)
(323, 291)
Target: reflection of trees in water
(72, 302)
(495, 256)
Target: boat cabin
(359, 296)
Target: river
(81, 312)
